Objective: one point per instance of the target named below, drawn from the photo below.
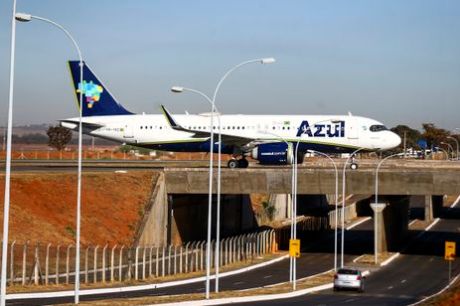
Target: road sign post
(449, 254)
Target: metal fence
(350, 213)
(55, 264)
(304, 225)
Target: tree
(412, 136)
(59, 137)
(433, 135)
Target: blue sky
(394, 61)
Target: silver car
(349, 278)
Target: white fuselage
(330, 130)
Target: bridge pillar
(392, 222)
(433, 206)
(379, 233)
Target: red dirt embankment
(43, 206)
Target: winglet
(169, 118)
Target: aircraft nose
(395, 140)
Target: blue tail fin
(97, 101)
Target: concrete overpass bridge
(395, 178)
(181, 194)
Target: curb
(437, 293)
(393, 257)
(255, 298)
(357, 223)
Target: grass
(369, 259)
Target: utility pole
(405, 132)
(4, 140)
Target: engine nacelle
(273, 154)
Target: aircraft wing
(226, 139)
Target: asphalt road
(419, 272)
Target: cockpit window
(377, 128)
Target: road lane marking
(412, 222)
(391, 287)
(268, 276)
(349, 300)
(403, 281)
(238, 283)
(300, 279)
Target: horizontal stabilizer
(73, 124)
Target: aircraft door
(352, 128)
(128, 132)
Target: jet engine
(273, 154)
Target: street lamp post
(294, 212)
(178, 89)
(25, 18)
(445, 152)
(449, 147)
(336, 201)
(343, 204)
(6, 206)
(456, 142)
(293, 180)
(378, 207)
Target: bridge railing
(48, 264)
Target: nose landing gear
(354, 164)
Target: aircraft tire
(243, 163)
(300, 157)
(233, 163)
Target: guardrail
(119, 263)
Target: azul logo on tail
(336, 129)
(91, 91)
(97, 99)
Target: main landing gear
(238, 163)
(353, 164)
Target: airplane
(269, 139)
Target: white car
(349, 278)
